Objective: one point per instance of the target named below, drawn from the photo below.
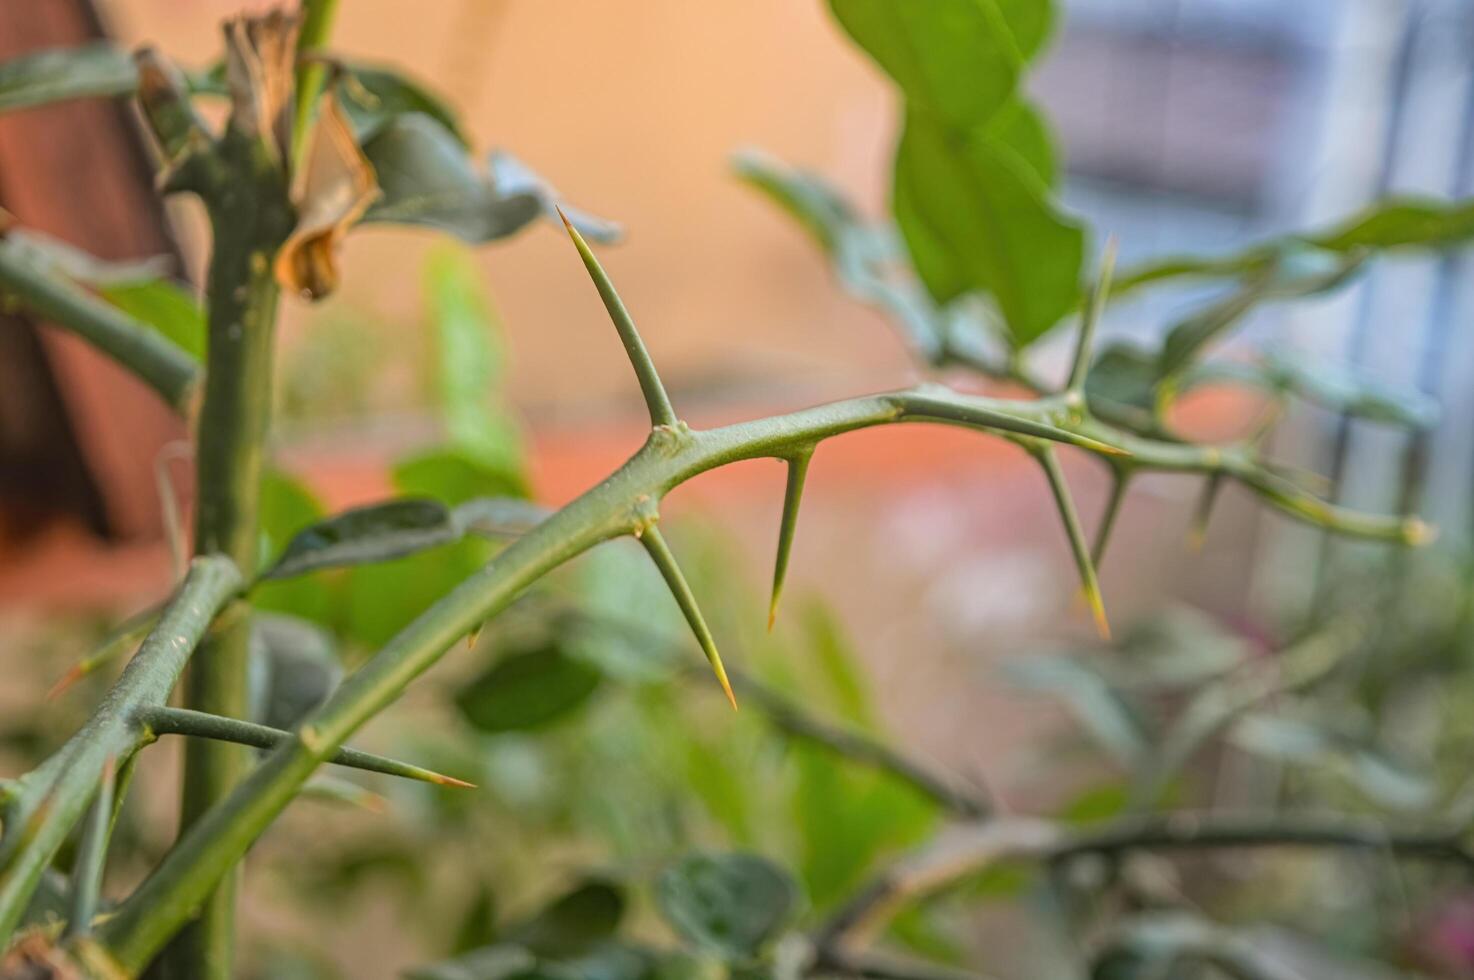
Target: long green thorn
(92, 856)
(665, 561)
(1120, 477)
(798, 468)
(1199, 531)
(1078, 544)
(200, 724)
(661, 410)
(1090, 317)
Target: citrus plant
(315, 145)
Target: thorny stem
(52, 797)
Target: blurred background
(1186, 125)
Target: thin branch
(199, 724)
(157, 362)
(92, 857)
(53, 797)
(656, 400)
(968, 849)
(1120, 478)
(660, 553)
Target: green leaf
(976, 220)
(456, 477)
(66, 73)
(499, 962)
(167, 307)
(1021, 127)
(1112, 721)
(528, 688)
(1295, 273)
(1335, 387)
(288, 506)
(374, 533)
(469, 361)
(1403, 223)
(375, 95)
(573, 922)
(864, 257)
(294, 667)
(1376, 772)
(427, 179)
(957, 59)
(838, 664)
(729, 904)
(1389, 225)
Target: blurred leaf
(955, 58)
(527, 688)
(1295, 273)
(573, 922)
(629, 628)
(1112, 721)
(1334, 387)
(1020, 126)
(374, 533)
(836, 660)
(1123, 383)
(289, 506)
(383, 598)
(500, 962)
(427, 179)
(864, 257)
(166, 306)
(730, 904)
(375, 95)
(50, 903)
(100, 69)
(498, 517)
(1402, 223)
(469, 361)
(477, 927)
(294, 667)
(456, 478)
(1097, 804)
(1383, 778)
(881, 814)
(1391, 224)
(977, 220)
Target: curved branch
(165, 368)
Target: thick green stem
(250, 218)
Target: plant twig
(92, 857)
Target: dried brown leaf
(260, 62)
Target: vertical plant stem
(250, 217)
(317, 25)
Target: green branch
(52, 798)
(157, 362)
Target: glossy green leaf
(957, 59)
(728, 904)
(427, 179)
(977, 220)
(374, 533)
(528, 688)
(100, 69)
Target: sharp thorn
(660, 553)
